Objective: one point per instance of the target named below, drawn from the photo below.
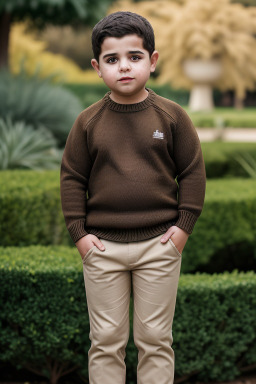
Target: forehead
(122, 44)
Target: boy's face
(125, 67)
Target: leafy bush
(30, 209)
(226, 229)
(229, 117)
(38, 103)
(23, 147)
(30, 213)
(44, 324)
(222, 158)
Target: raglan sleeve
(191, 175)
(74, 176)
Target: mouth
(125, 79)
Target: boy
(125, 151)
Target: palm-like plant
(248, 163)
(23, 147)
(38, 103)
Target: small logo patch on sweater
(158, 135)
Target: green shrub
(224, 235)
(37, 102)
(44, 319)
(30, 209)
(88, 93)
(30, 213)
(229, 117)
(23, 147)
(222, 158)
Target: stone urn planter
(203, 73)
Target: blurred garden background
(207, 65)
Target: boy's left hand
(178, 236)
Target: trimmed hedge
(220, 158)
(226, 117)
(224, 236)
(44, 324)
(30, 214)
(30, 209)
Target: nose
(124, 66)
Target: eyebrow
(116, 54)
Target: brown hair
(119, 24)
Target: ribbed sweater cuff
(186, 221)
(76, 230)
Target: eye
(112, 60)
(135, 58)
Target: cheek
(108, 72)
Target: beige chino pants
(153, 269)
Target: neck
(129, 99)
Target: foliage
(43, 320)
(27, 49)
(45, 324)
(230, 117)
(23, 147)
(248, 163)
(210, 29)
(221, 158)
(38, 103)
(72, 43)
(61, 12)
(30, 209)
(30, 213)
(213, 325)
(246, 3)
(225, 230)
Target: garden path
(227, 134)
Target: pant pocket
(88, 254)
(175, 248)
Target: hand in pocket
(178, 236)
(87, 242)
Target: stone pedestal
(202, 73)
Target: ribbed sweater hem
(77, 230)
(130, 235)
(186, 221)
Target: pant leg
(155, 280)
(108, 288)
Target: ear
(96, 66)
(153, 60)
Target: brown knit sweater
(119, 167)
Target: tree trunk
(238, 103)
(5, 22)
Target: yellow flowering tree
(199, 29)
(42, 12)
(24, 47)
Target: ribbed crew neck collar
(130, 107)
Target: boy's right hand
(87, 242)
